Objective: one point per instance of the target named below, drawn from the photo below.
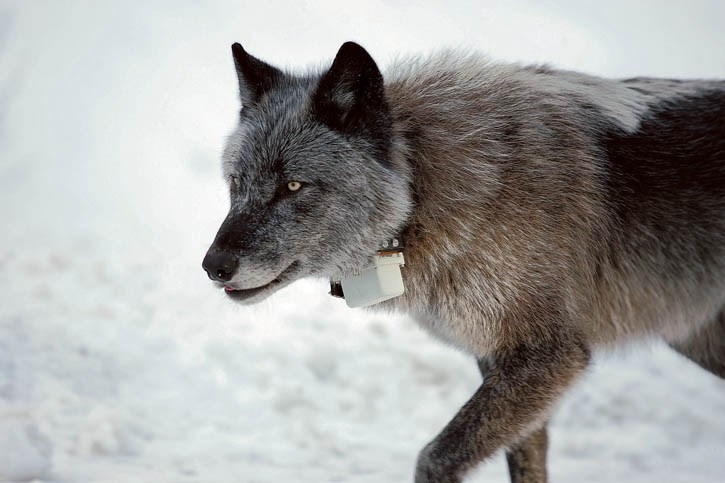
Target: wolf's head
(315, 184)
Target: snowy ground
(118, 360)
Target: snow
(25, 450)
(120, 362)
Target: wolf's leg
(520, 387)
(526, 459)
(706, 346)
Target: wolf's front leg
(520, 386)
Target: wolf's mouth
(246, 294)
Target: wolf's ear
(255, 76)
(350, 97)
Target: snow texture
(120, 362)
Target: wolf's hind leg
(706, 346)
(527, 459)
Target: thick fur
(546, 213)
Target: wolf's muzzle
(220, 265)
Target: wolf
(546, 214)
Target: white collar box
(379, 281)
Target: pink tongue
(229, 289)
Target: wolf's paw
(433, 468)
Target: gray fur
(546, 214)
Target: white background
(120, 362)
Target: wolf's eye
(294, 185)
(233, 184)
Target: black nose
(220, 265)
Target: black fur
(672, 164)
(350, 99)
(255, 76)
